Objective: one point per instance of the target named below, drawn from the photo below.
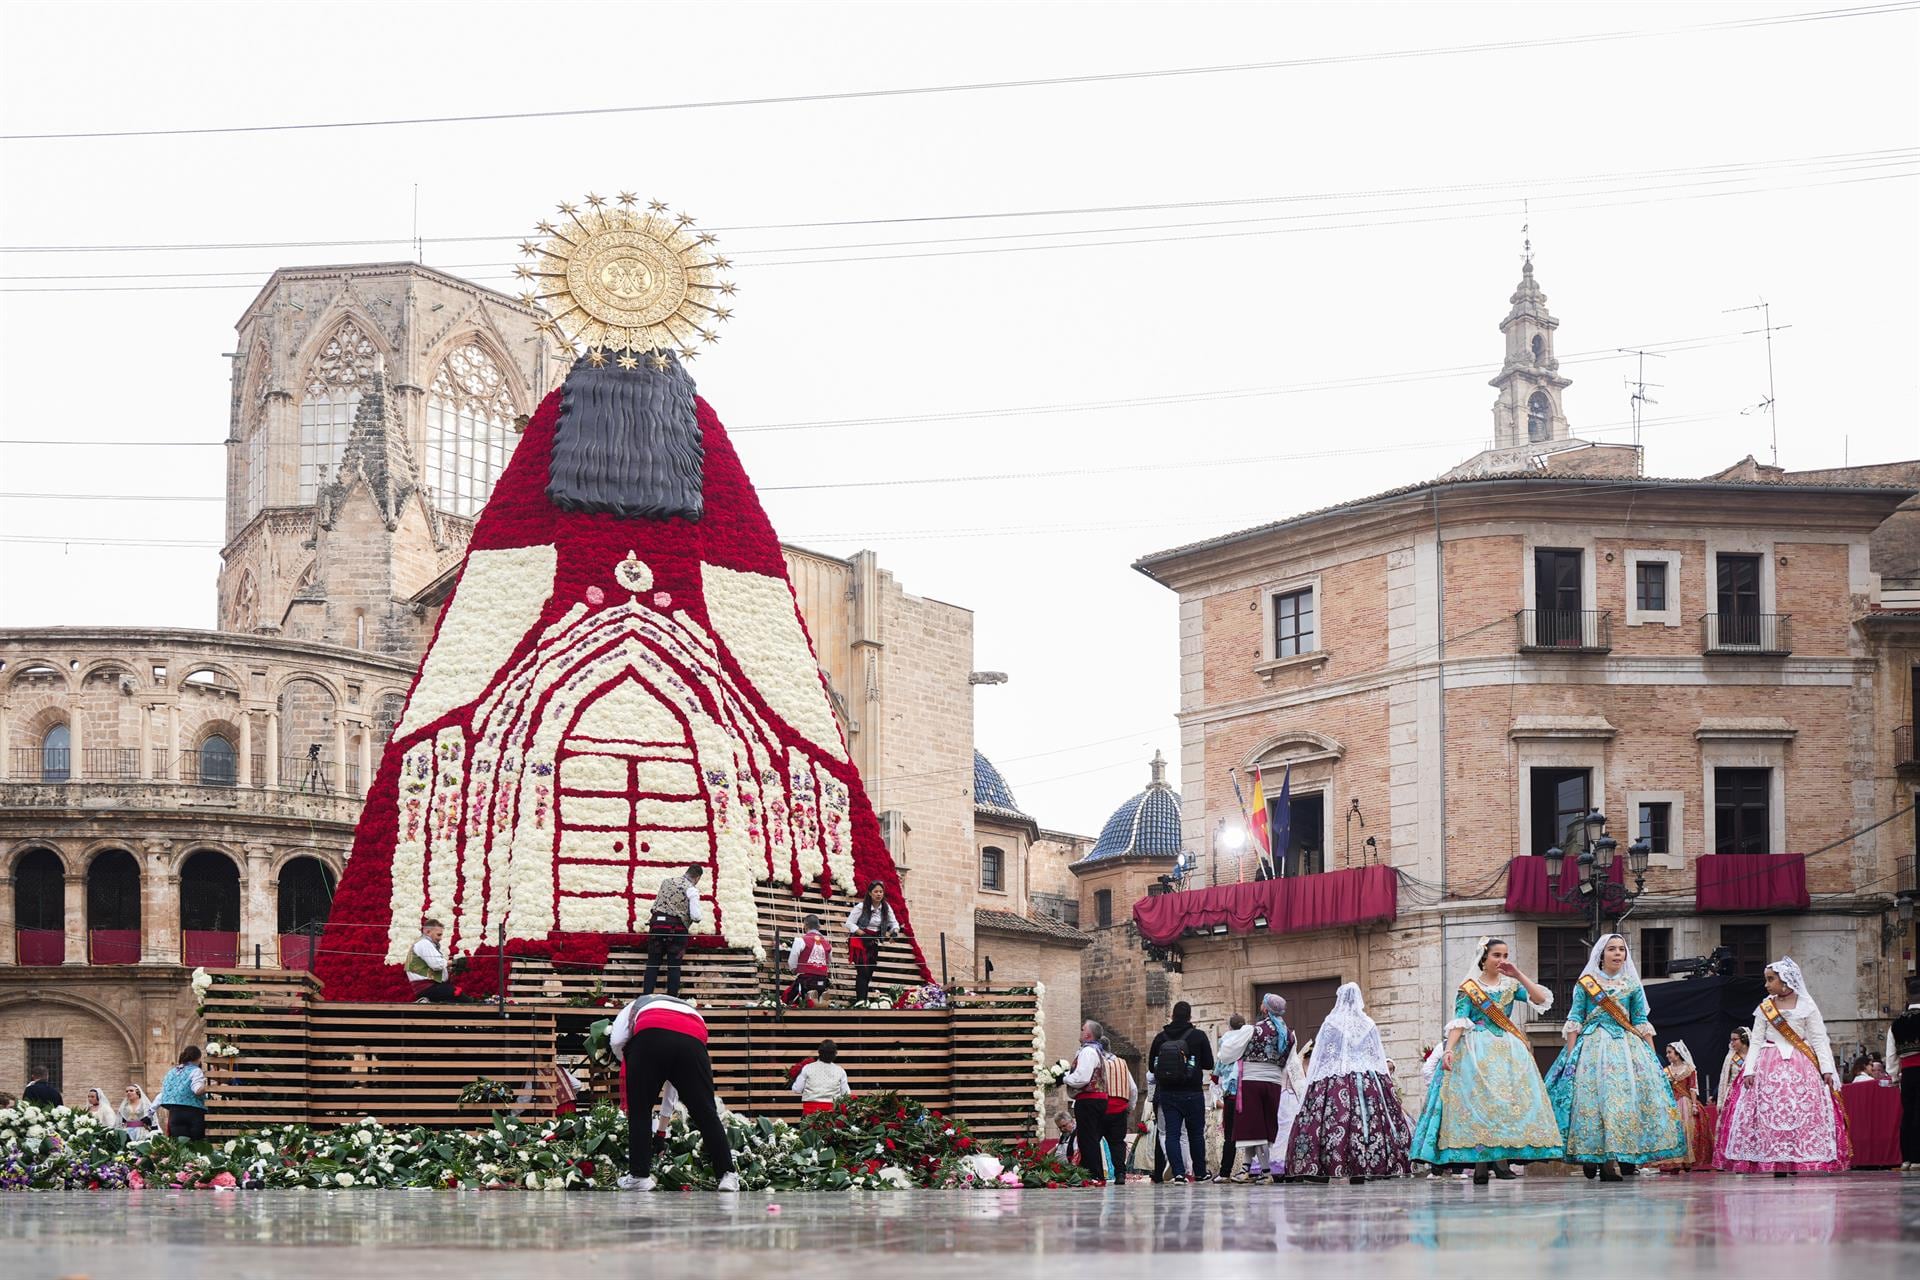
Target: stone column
(146, 742)
(173, 742)
(76, 925)
(366, 760)
(258, 914)
(246, 748)
(6, 750)
(9, 946)
(273, 748)
(159, 904)
(339, 755)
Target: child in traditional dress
(1785, 1117)
(1685, 1080)
(1614, 1100)
(1351, 1124)
(1486, 1105)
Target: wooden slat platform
(305, 1060)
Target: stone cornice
(140, 640)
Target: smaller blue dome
(1149, 823)
(991, 792)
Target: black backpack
(1172, 1068)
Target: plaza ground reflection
(1670, 1227)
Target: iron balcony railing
(40, 764)
(1903, 756)
(1565, 630)
(1764, 634)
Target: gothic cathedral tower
(1528, 410)
(373, 408)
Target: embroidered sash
(1778, 1019)
(1478, 997)
(1598, 994)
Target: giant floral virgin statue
(621, 683)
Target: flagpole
(1240, 863)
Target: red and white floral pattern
(607, 700)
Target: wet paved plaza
(1676, 1228)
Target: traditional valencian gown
(1684, 1080)
(1614, 1098)
(1492, 1104)
(1783, 1117)
(1351, 1124)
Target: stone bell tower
(1528, 410)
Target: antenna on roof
(1639, 384)
(1768, 327)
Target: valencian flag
(621, 684)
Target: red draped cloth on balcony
(114, 946)
(297, 950)
(1297, 904)
(209, 948)
(1750, 882)
(1529, 894)
(40, 946)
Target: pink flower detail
(596, 596)
(223, 1180)
(135, 1181)
(662, 600)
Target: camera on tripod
(315, 778)
(1718, 964)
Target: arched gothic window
(333, 384)
(469, 429)
(254, 426)
(219, 766)
(56, 754)
(1539, 416)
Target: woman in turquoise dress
(1486, 1105)
(1610, 1094)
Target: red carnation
(888, 1142)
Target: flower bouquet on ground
(930, 996)
(1028, 1166)
(485, 1091)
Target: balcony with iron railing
(1565, 630)
(1903, 753)
(1764, 635)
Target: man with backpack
(1179, 1060)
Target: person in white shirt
(427, 968)
(821, 1083)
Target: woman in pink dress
(1785, 1117)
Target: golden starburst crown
(616, 276)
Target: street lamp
(1594, 891)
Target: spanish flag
(1257, 823)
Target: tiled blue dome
(991, 792)
(1149, 823)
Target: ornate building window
(256, 469)
(469, 429)
(333, 388)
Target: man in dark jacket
(40, 1089)
(1177, 1064)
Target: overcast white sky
(1671, 178)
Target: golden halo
(616, 277)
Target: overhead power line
(1537, 187)
(981, 86)
(1365, 219)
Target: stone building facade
(1448, 675)
(176, 797)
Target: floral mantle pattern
(606, 700)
